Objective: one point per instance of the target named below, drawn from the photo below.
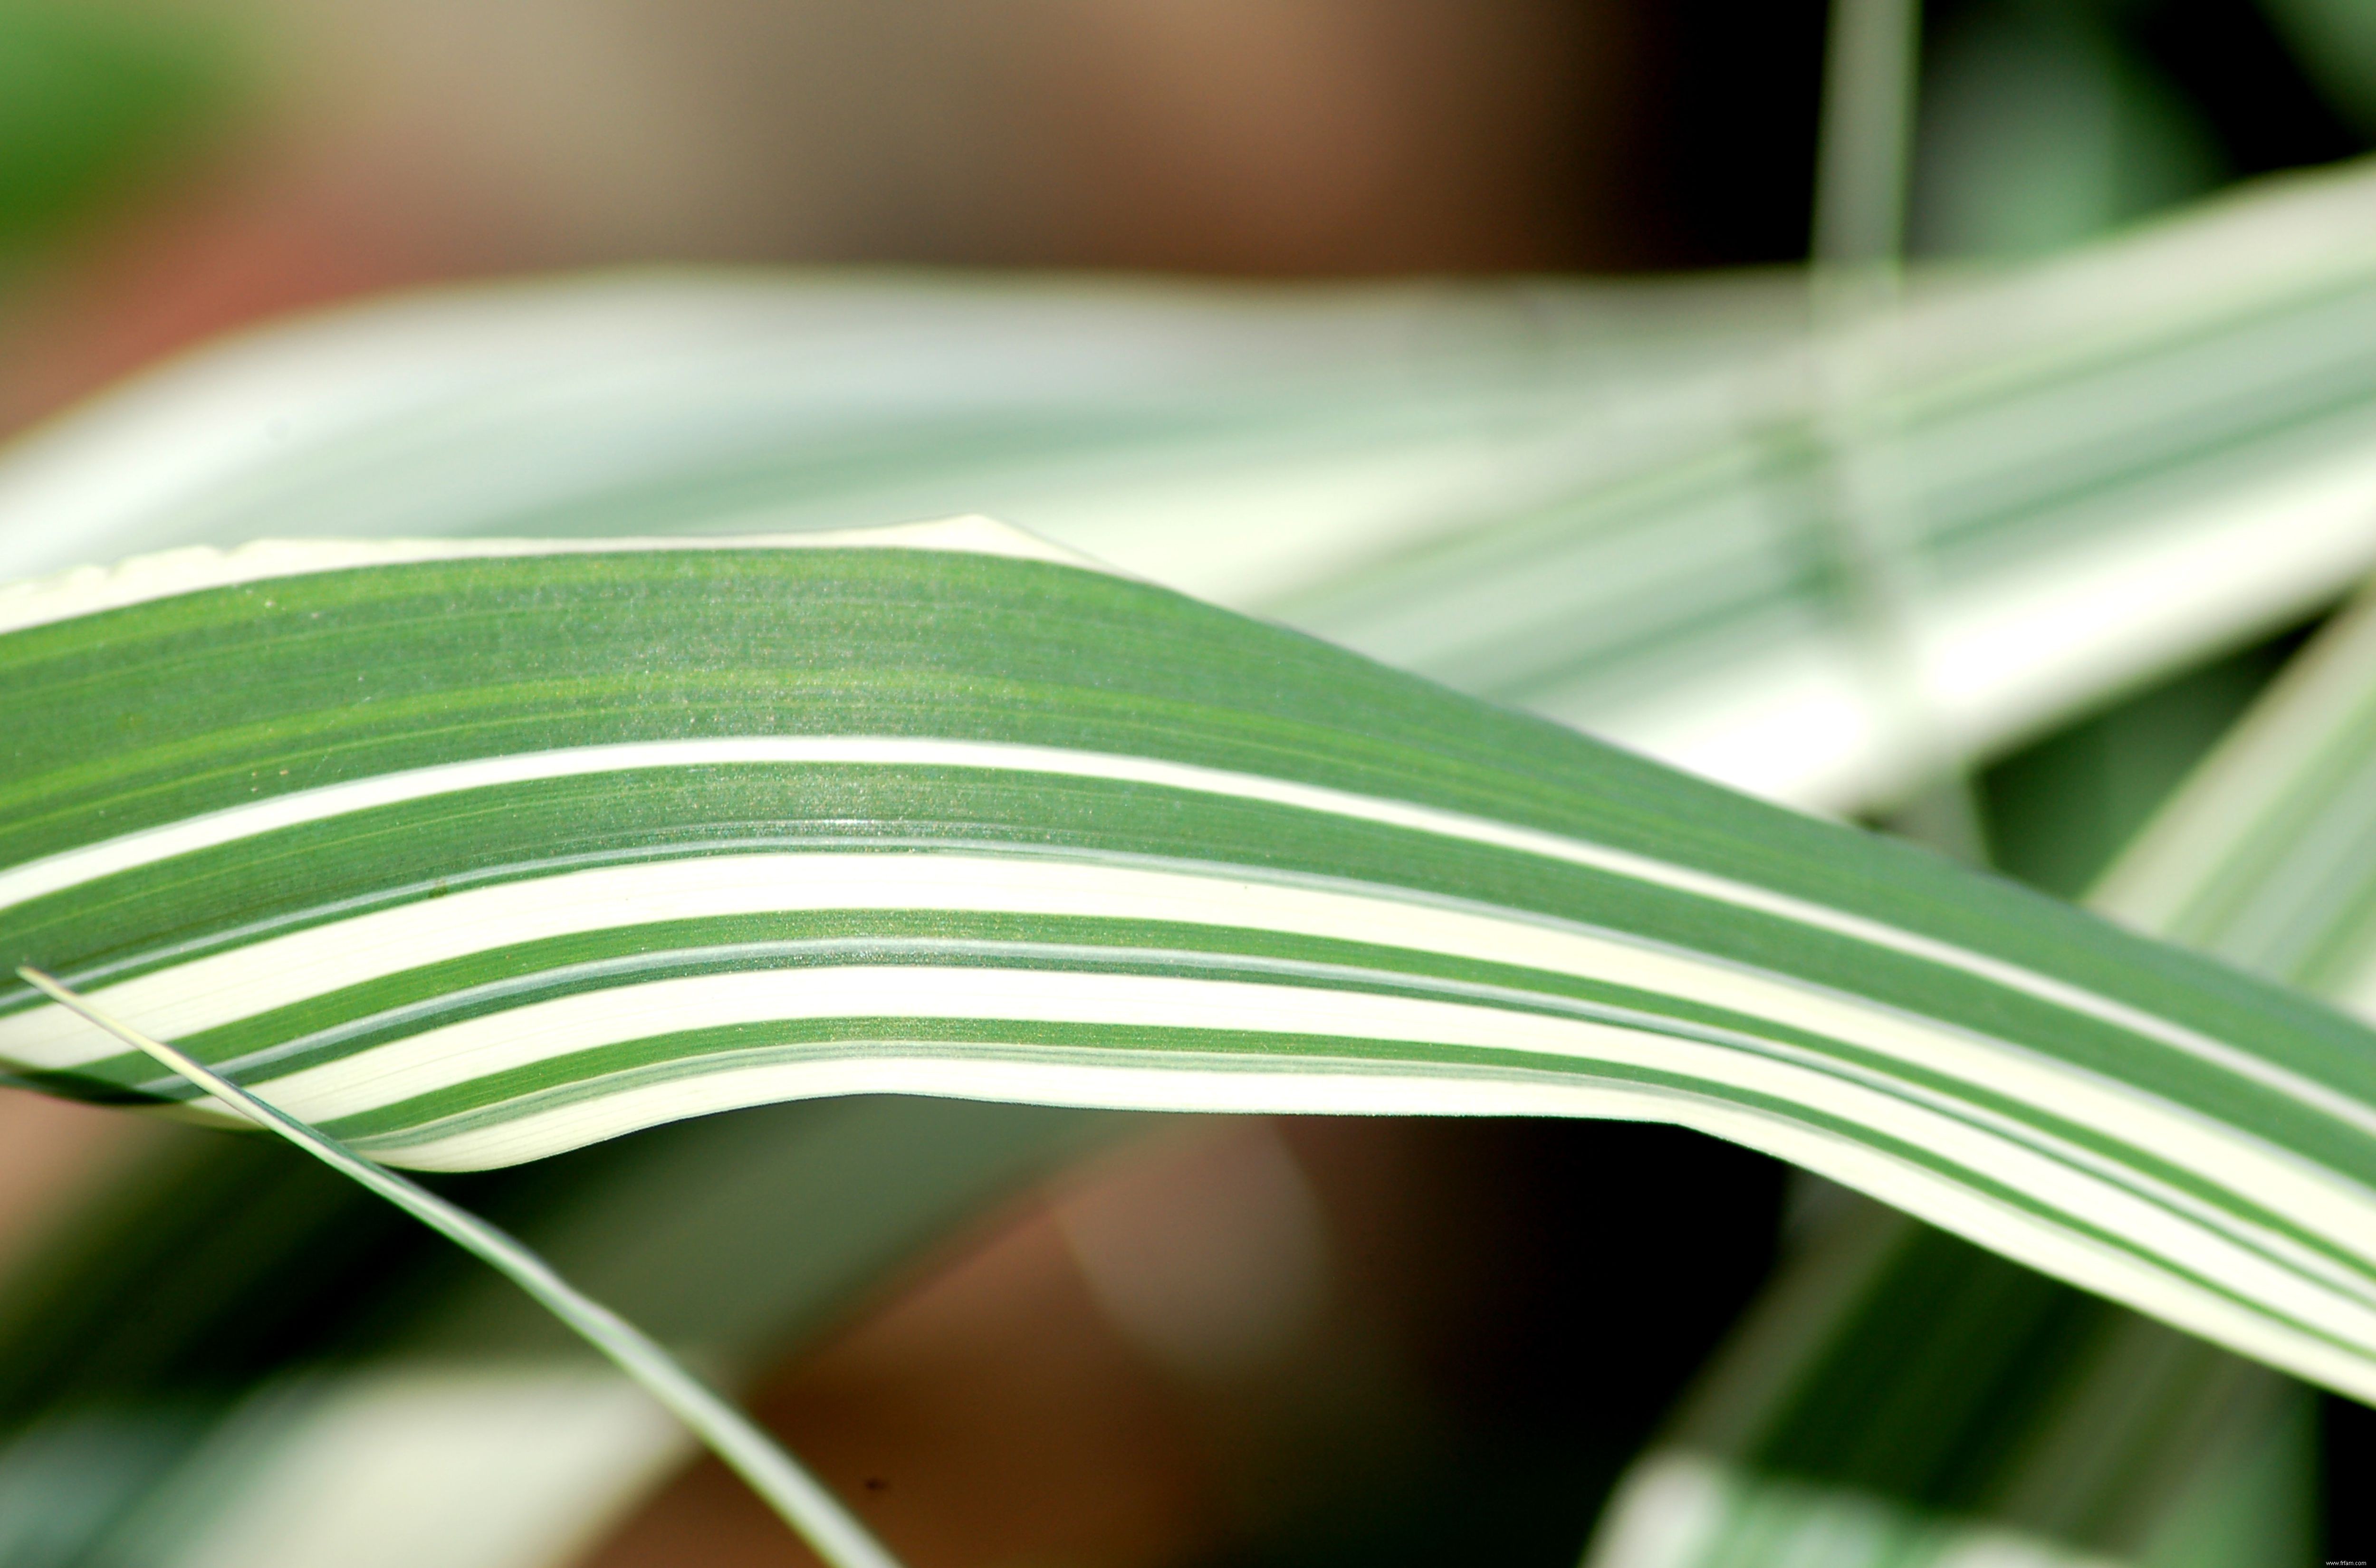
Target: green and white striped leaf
(474, 855)
(2083, 473)
(1612, 502)
(1900, 1397)
(2112, 1431)
(2268, 855)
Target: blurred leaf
(2268, 856)
(1901, 1397)
(91, 97)
(1610, 504)
(2041, 129)
(2177, 1453)
(2060, 812)
(2335, 40)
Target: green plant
(629, 833)
(474, 852)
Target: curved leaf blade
(576, 842)
(2265, 855)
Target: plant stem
(1866, 148)
(1866, 138)
(805, 1502)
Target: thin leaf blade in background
(2265, 855)
(306, 1345)
(2268, 856)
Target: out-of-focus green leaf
(2335, 42)
(592, 839)
(2100, 1434)
(91, 99)
(2060, 811)
(2268, 856)
(1902, 1398)
(1610, 504)
(1235, 441)
(2042, 128)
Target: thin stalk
(1866, 137)
(1862, 160)
(805, 1502)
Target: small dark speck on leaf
(876, 1483)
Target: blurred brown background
(239, 158)
(169, 168)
